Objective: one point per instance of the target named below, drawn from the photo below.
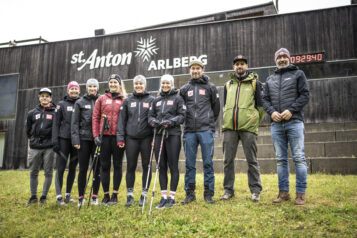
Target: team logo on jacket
(58, 107)
(158, 103)
(133, 104)
(146, 105)
(190, 93)
(49, 116)
(38, 116)
(202, 91)
(170, 102)
(69, 108)
(117, 102)
(109, 101)
(87, 106)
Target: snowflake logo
(146, 48)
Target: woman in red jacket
(109, 104)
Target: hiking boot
(94, 201)
(68, 199)
(43, 200)
(283, 196)
(59, 202)
(161, 203)
(255, 197)
(170, 202)
(129, 201)
(141, 201)
(190, 194)
(32, 200)
(105, 200)
(207, 195)
(227, 196)
(81, 202)
(300, 199)
(113, 200)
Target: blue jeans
(190, 143)
(291, 132)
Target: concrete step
(330, 165)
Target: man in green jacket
(242, 114)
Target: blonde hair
(122, 90)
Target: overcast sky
(56, 20)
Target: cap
(72, 84)
(92, 81)
(140, 78)
(195, 62)
(45, 90)
(116, 77)
(240, 57)
(282, 51)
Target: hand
(121, 144)
(165, 123)
(276, 116)
(56, 148)
(155, 123)
(97, 141)
(286, 115)
(77, 147)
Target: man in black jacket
(202, 102)
(285, 94)
(39, 128)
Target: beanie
(139, 78)
(167, 77)
(72, 84)
(92, 82)
(282, 51)
(116, 77)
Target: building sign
(145, 50)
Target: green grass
(331, 211)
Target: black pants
(133, 148)
(109, 147)
(84, 153)
(169, 158)
(66, 149)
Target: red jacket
(110, 107)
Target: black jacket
(64, 111)
(171, 107)
(286, 89)
(202, 102)
(81, 123)
(40, 126)
(133, 117)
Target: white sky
(71, 19)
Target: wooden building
(323, 41)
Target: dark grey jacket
(287, 89)
(81, 123)
(202, 102)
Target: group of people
(139, 123)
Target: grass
(331, 211)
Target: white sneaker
(94, 202)
(255, 197)
(81, 202)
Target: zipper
(111, 123)
(236, 107)
(280, 93)
(139, 111)
(195, 107)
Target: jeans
(190, 143)
(291, 132)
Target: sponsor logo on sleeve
(87, 106)
(184, 107)
(38, 116)
(190, 93)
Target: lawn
(331, 211)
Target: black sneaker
(190, 197)
(43, 200)
(170, 202)
(31, 201)
(161, 203)
(68, 199)
(113, 200)
(208, 199)
(129, 201)
(105, 201)
(141, 201)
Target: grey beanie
(92, 81)
(140, 78)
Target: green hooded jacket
(240, 111)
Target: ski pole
(149, 169)
(157, 169)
